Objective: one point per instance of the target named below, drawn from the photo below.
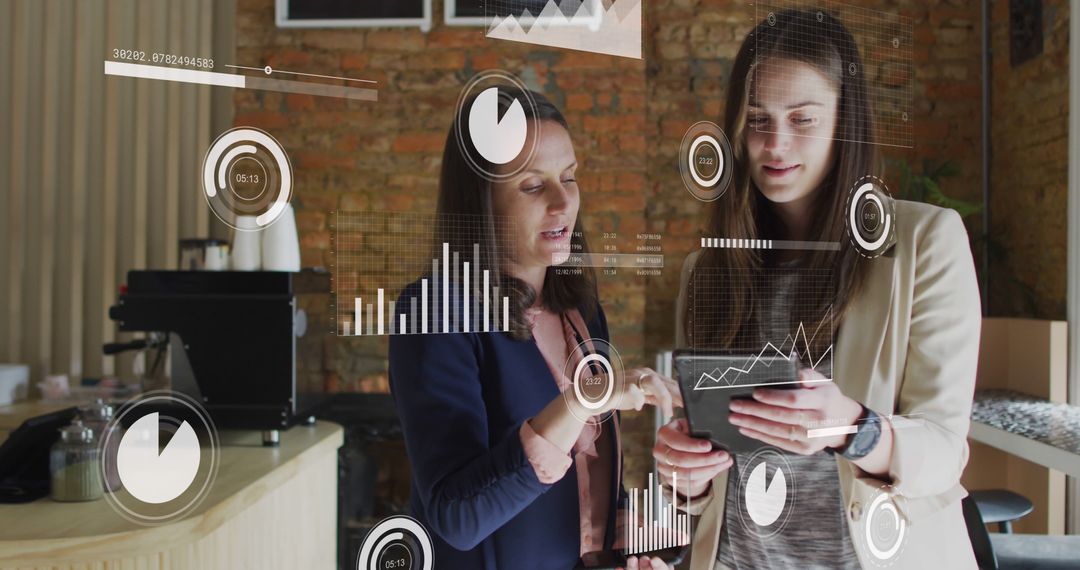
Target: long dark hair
(463, 191)
(820, 40)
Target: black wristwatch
(865, 438)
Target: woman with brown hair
(903, 366)
(507, 470)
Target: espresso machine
(231, 338)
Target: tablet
(709, 380)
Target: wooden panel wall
(99, 175)
(1028, 356)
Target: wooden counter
(268, 508)
(1028, 356)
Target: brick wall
(386, 155)
(627, 118)
(1029, 173)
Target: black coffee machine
(232, 338)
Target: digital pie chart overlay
(882, 529)
(596, 375)
(870, 217)
(497, 139)
(152, 475)
(766, 492)
(705, 161)
(496, 143)
(247, 178)
(167, 457)
(398, 543)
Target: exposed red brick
(457, 38)
(299, 102)
(268, 120)
(419, 142)
(354, 61)
(396, 40)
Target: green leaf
(926, 186)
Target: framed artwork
(353, 14)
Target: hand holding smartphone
(614, 560)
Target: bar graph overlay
(653, 523)
(410, 273)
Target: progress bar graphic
(740, 243)
(199, 77)
(897, 421)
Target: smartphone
(611, 560)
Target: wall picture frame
(353, 14)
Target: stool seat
(1036, 552)
(1000, 505)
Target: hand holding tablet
(711, 380)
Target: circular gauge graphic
(766, 494)
(163, 447)
(247, 178)
(495, 113)
(398, 542)
(596, 374)
(882, 529)
(705, 161)
(870, 217)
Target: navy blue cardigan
(462, 398)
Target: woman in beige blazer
(907, 316)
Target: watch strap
(865, 438)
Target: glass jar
(73, 465)
(98, 417)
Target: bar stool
(1002, 507)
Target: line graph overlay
(788, 314)
(885, 42)
(611, 27)
(788, 348)
(413, 273)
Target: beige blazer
(908, 345)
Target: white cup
(217, 258)
(247, 248)
(281, 243)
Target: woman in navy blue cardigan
(506, 471)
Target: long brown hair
(463, 191)
(820, 40)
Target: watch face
(866, 438)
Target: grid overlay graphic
(452, 286)
(885, 42)
(791, 315)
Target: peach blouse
(550, 462)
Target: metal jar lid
(98, 411)
(76, 432)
